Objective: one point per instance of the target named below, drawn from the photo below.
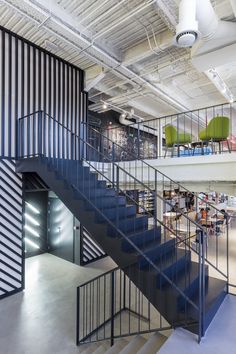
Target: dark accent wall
(132, 142)
(67, 238)
(31, 79)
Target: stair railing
(188, 127)
(110, 306)
(41, 135)
(160, 182)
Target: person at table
(204, 213)
(221, 219)
(175, 208)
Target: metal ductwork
(138, 125)
(197, 19)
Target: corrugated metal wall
(30, 80)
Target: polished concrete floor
(41, 320)
(219, 339)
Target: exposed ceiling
(126, 48)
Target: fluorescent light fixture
(35, 210)
(220, 84)
(31, 243)
(32, 231)
(31, 219)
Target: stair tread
(117, 347)
(133, 347)
(213, 289)
(153, 344)
(170, 258)
(184, 279)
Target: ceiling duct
(197, 19)
(138, 125)
(187, 28)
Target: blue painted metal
(160, 266)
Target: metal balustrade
(166, 268)
(176, 135)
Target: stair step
(142, 239)
(106, 202)
(132, 224)
(98, 192)
(134, 346)
(117, 347)
(123, 212)
(101, 349)
(215, 291)
(159, 249)
(170, 264)
(90, 349)
(188, 282)
(153, 344)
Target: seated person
(221, 219)
(175, 208)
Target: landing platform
(219, 338)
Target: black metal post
(112, 306)
(113, 166)
(78, 316)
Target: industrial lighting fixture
(32, 231)
(31, 219)
(104, 106)
(31, 243)
(35, 210)
(220, 84)
(123, 115)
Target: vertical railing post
(124, 291)
(113, 165)
(78, 316)
(112, 306)
(155, 202)
(117, 180)
(138, 142)
(201, 260)
(227, 250)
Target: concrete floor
(220, 336)
(41, 320)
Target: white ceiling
(129, 44)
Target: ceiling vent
(187, 28)
(186, 38)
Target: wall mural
(133, 143)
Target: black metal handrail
(208, 204)
(134, 246)
(112, 293)
(42, 147)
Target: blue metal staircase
(161, 266)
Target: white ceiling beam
(146, 48)
(93, 76)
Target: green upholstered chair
(216, 131)
(175, 138)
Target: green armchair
(175, 138)
(216, 131)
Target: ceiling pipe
(107, 60)
(138, 125)
(233, 4)
(197, 19)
